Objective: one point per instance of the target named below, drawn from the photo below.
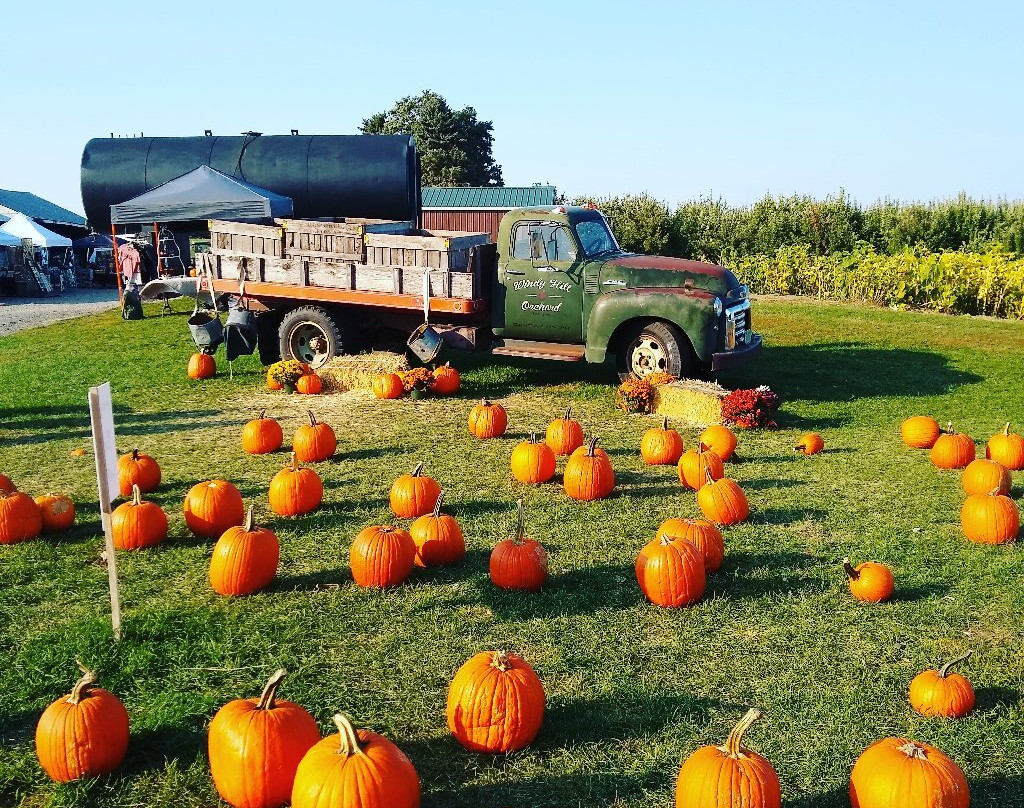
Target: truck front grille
(737, 325)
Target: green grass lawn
(631, 689)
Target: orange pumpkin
(952, 450)
(20, 518)
(201, 366)
(262, 435)
(381, 556)
(438, 538)
(255, 746)
(487, 420)
(446, 380)
(137, 524)
(7, 485)
(355, 770)
(870, 582)
(532, 461)
(699, 466)
(1006, 448)
(84, 734)
(728, 776)
(671, 572)
(985, 476)
(388, 385)
(920, 432)
(564, 435)
(314, 441)
(661, 447)
(588, 473)
(939, 692)
(990, 519)
(809, 444)
(136, 468)
(272, 383)
(244, 559)
(900, 773)
(309, 384)
(723, 501)
(295, 491)
(720, 440)
(519, 563)
(701, 534)
(212, 507)
(57, 511)
(414, 494)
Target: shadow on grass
(318, 581)
(1003, 791)
(769, 484)
(788, 573)
(785, 516)
(151, 749)
(834, 798)
(19, 728)
(912, 594)
(370, 454)
(989, 698)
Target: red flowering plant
(751, 409)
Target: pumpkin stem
(135, 451)
(568, 415)
(945, 668)
(437, 505)
(269, 694)
(82, 686)
(702, 447)
(732, 745)
(994, 492)
(248, 525)
(1006, 431)
(485, 403)
(533, 437)
(295, 462)
(520, 522)
(912, 750)
(949, 428)
(385, 529)
(591, 446)
(500, 661)
(664, 424)
(263, 413)
(854, 575)
(136, 495)
(349, 737)
(416, 472)
(666, 539)
(312, 418)
(707, 474)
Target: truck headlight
(718, 307)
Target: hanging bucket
(207, 330)
(240, 333)
(426, 343)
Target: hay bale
(690, 402)
(358, 372)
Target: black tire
(312, 335)
(658, 346)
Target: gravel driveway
(17, 313)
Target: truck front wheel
(311, 335)
(658, 347)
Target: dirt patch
(19, 313)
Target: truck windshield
(595, 237)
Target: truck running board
(541, 350)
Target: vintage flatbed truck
(556, 285)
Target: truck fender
(690, 310)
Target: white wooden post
(101, 413)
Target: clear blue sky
(908, 100)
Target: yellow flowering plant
(635, 395)
(287, 372)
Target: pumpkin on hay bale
(690, 402)
(358, 372)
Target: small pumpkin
(20, 517)
(137, 524)
(984, 476)
(137, 468)
(532, 461)
(495, 703)
(721, 440)
(810, 443)
(698, 466)
(272, 383)
(728, 776)
(309, 384)
(244, 559)
(211, 507)
(487, 420)
(438, 538)
(414, 494)
(1006, 448)
(952, 450)
(702, 534)
(564, 435)
(588, 473)
(519, 563)
(57, 511)
(7, 485)
(869, 582)
(314, 441)
(661, 447)
(201, 366)
(900, 773)
(381, 556)
(255, 746)
(941, 693)
(920, 431)
(723, 501)
(355, 770)
(262, 435)
(295, 490)
(388, 385)
(446, 380)
(990, 518)
(671, 572)
(83, 734)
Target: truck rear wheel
(658, 347)
(310, 334)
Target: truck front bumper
(737, 356)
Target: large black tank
(371, 176)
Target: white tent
(20, 226)
(7, 240)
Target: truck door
(542, 276)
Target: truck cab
(566, 290)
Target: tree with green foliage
(454, 147)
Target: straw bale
(358, 372)
(690, 402)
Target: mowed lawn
(632, 689)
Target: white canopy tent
(7, 240)
(20, 226)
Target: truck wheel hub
(648, 357)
